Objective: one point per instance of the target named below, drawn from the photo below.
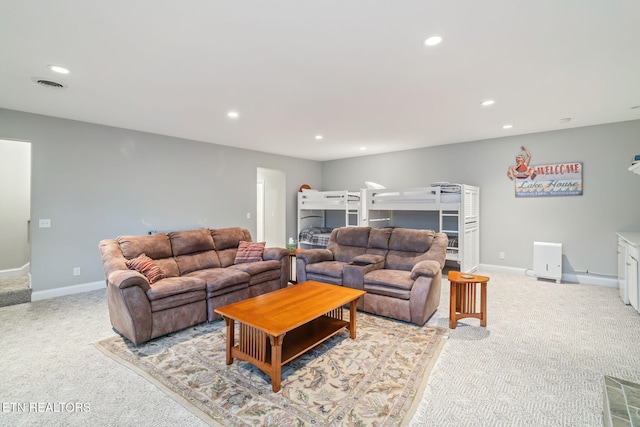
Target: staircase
(14, 290)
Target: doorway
(271, 207)
(15, 194)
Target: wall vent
(48, 83)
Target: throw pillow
(147, 267)
(249, 252)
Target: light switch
(44, 223)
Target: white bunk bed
(319, 212)
(453, 209)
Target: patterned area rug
(376, 379)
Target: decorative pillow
(249, 252)
(147, 267)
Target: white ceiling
(355, 71)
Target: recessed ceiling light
(487, 102)
(363, 148)
(233, 114)
(59, 69)
(318, 137)
(507, 126)
(432, 41)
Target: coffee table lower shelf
(269, 353)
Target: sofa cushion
(399, 279)
(257, 267)
(169, 266)
(193, 250)
(260, 271)
(227, 241)
(226, 238)
(173, 286)
(410, 240)
(326, 268)
(147, 267)
(154, 246)
(190, 241)
(379, 238)
(197, 261)
(346, 243)
(221, 278)
(249, 252)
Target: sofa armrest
(278, 254)
(315, 255)
(282, 255)
(428, 268)
(122, 279)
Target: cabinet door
(622, 270)
(632, 276)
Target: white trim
(15, 272)
(584, 279)
(503, 269)
(67, 290)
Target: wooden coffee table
(294, 319)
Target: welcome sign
(562, 179)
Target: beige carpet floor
(539, 362)
(372, 380)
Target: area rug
(376, 379)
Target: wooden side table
(463, 297)
(293, 278)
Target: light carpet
(372, 380)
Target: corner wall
(96, 182)
(585, 225)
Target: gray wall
(97, 182)
(585, 225)
(15, 164)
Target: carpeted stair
(14, 290)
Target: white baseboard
(503, 269)
(15, 272)
(584, 279)
(67, 290)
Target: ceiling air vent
(48, 83)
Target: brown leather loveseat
(161, 283)
(399, 268)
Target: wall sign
(560, 179)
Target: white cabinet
(632, 276)
(628, 256)
(622, 269)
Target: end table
(462, 295)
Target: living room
(96, 181)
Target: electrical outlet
(248, 215)
(501, 255)
(44, 223)
(76, 271)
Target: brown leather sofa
(199, 274)
(399, 268)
